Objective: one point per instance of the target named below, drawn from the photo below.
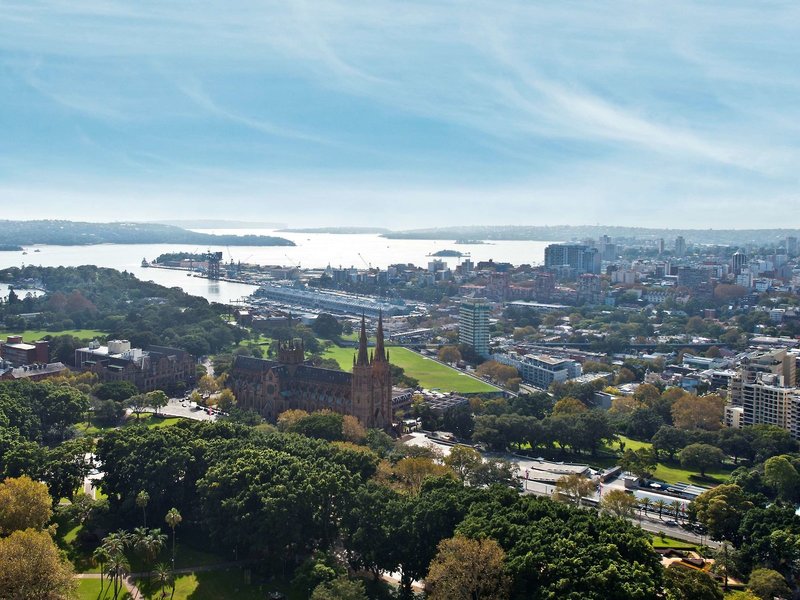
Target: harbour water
(313, 250)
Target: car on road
(672, 523)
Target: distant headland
(336, 230)
(73, 233)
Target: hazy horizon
(402, 115)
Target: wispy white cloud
(194, 91)
(682, 103)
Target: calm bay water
(312, 251)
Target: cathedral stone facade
(271, 387)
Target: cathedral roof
(250, 363)
(319, 375)
(300, 373)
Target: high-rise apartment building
(473, 324)
(763, 392)
(575, 257)
(738, 262)
(791, 245)
(680, 246)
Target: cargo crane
(214, 259)
(291, 263)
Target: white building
(541, 370)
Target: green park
(430, 373)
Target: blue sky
(402, 114)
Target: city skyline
(401, 115)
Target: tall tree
(684, 583)
(173, 519)
(701, 457)
(142, 498)
(641, 462)
(573, 488)
(163, 576)
(768, 584)
(781, 476)
(670, 440)
(24, 504)
(619, 503)
(463, 460)
(340, 589)
(100, 557)
(698, 412)
(32, 568)
(467, 569)
(721, 510)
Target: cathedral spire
(363, 357)
(380, 353)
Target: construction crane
(369, 265)
(291, 263)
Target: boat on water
(37, 250)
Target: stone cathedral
(271, 387)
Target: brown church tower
(372, 382)
(381, 382)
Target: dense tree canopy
(555, 551)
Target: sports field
(31, 335)
(430, 373)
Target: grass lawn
(431, 374)
(149, 420)
(31, 335)
(668, 542)
(89, 589)
(631, 444)
(672, 472)
(214, 585)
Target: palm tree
(118, 567)
(100, 557)
(644, 504)
(660, 506)
(116, 542)
(163, 576)
(148, 542)
(676, 506)
(173, 519)
(142, 498)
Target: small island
(177, 257)
(448, 254)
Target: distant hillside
(220, 224)
(578, 232)
(341, 230)
(72, 233)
